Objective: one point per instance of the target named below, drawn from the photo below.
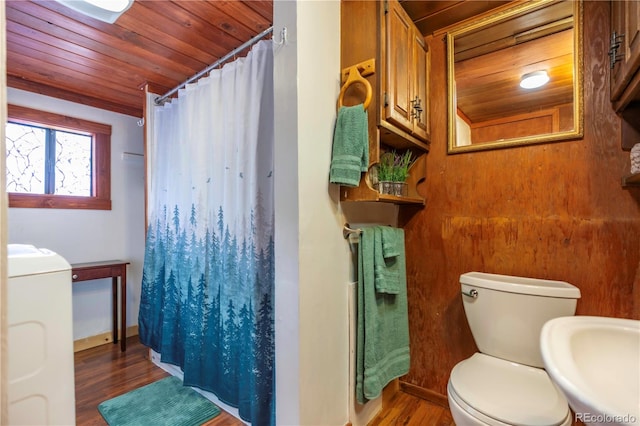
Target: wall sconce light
(534, 79)
(103, 10)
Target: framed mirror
(490, 105)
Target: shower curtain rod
(160, 99)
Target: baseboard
(100, 339)
(426, 394)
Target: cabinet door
(399, 75)
(421, 85)
(632, 35)
(625, 21)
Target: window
(55, 161)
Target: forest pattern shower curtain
(207, 288)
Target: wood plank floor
(104, 372)
(408, 410)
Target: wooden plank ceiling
(58, 52)
(431, 16)
(490, 62)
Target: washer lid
(511, 393)
(521, 285)
(25, 259)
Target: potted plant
(386, 173)
(393, 171)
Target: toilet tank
(507, 313)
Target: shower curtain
(207, 286)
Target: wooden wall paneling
(521, 125)
(354, 50)
(554, 211)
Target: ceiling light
(104, 10)
(534, 79)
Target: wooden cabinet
(624, 53)
(399, 110)
(624, 58)
(405, 88)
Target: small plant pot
(386, 187)
(399, 189)
(392, 188)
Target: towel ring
(356, 77)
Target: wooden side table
(108, 269)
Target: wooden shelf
(385, 198)
(631, 180)
(375, 196)
(366, 192)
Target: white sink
(595, 361)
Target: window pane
(64, 173)
(25, 158)
(73, 164)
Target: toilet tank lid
(522, 285)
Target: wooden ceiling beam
(72, 96)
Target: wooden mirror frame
(491, 19)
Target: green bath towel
(350, 155)
(382, 341)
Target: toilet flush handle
(471, 293)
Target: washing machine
(41, 387)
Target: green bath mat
(162, 403)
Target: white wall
(323, 256)
(463, 132)
(286, 224)
(92, 235)
(312, 258)
(313, 261)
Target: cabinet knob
(74, 276)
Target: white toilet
(505, 383)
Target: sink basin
(595, 361)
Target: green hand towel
(350, 155)
(392, 241)
(382, 340)
(388, 245)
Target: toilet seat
(507, 393)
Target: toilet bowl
(484, 390)
(504, 384)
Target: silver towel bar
(346, 231)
